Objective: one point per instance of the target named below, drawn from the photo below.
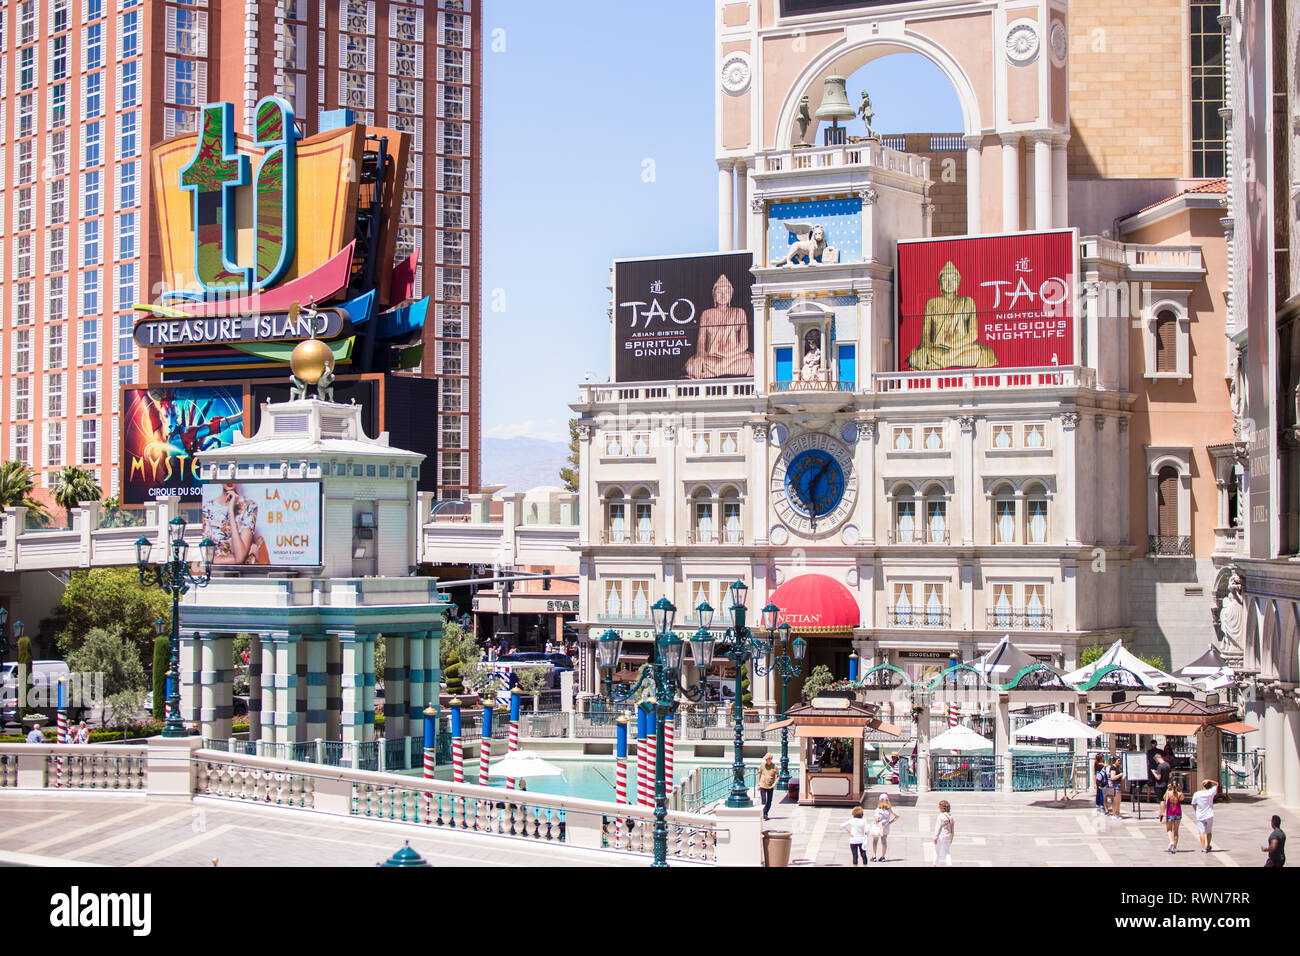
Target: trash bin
(776, 847)
(793, 789)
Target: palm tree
(16, 486)
(72, 486)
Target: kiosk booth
(817, 726)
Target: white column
(1066, 498)
(1042, 179)
(753, 209)
(973, 198)
(864, 460)
(669, 494)
(742, 205)
(1011, 183)
(868, 197)
(726, 216)
(762, 354)
(268, 673)
(317, 679)
(1275, 751)
(1060, 183)
(352, 683)
(286, 689)
(256, 703)
(965, 491)
(756, 495)
(368, 696)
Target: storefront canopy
(816, 604)
(1167, 716)
(1148, 675)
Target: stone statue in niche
(807, 248)
(812, 357)
(1232, 612)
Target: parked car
(43, 692)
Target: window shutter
(370, 52)
(201, 82)
(169, 88)
(117, 392)
(1166, 342)
(370, 92)
(322, 6)
(343, 51)
(171, 30)
(370, 18)
(201, 41)
(392, 98)
(119, 39)
(117, 282)
(117, 134)
(1167, 502)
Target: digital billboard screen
(683, 317)
(270, 524)
(987, 301)
(800, 8)
(165, 427)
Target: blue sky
(597, 145)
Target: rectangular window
(701, 443)
(903, 605)
(127, 174)
(27, 68)
(22, 352)
(126, 291)
(54, 395)
(129, 134)
(614, 599)
(26, 116)
(451, 471)
(22, 303)
(129, 32)
(58, 105)
(90, 292)
(784, 364)
(126, 235)
(92, 141)
(94, 46)
(183, 90)
(90, 339)
(129, 85)
(58, 200)
(91, 254)
(53, 444)
(59, 57)
(903, 439)
(95, 94)
(932, 437)
(90, 194)
(848, 364)
(90, 392)
(56, 298)
(729, 443)
(22, 398)
(90, 442)
(613, 445)
(125, 339)
(1035, 435)
(56, 250)
(1207, 79)
(1003, 436)
(23, 444)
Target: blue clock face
(814, 483)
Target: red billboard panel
(987, 301)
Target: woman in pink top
(1172, 808)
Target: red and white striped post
(485, 744)
(457, 745)
(514, 730)
(669, 723)
(620, 775)
(641, 764)
(63, 727)
(430, 760)
(952, 715)
(652, 744)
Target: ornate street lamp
(741, 648)
(175, 578)
(787, 666)
(663, 676)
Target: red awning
(816, 603)
(1235, 727)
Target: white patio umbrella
(1058, 725)
(524, 763)
(960, 739)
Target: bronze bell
(835, 101)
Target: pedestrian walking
(83, 733)
(944, 830)
(1171, 811)
(1276, 845)
(767, 784)
(1203, 801)
(885, 815)
(1114, 788)
(1162, 778)
(1101, 776)
(856, 825)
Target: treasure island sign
(987, 301)
(286, 326)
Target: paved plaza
(992, 830)
(1030, 829)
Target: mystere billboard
(683, 317)
(1003, 301)
(271, 524)
(164, 428)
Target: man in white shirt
(1203, 801)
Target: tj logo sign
(215, 173)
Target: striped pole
(63, 727)
(640, 758)
(485, 745)
(669, 723)
(514, 730)
(620, 774)
(430, 743)
(652, 744)
(952, 715)
(457, 748)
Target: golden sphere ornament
(310, 360)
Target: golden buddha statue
(722, 348)
(950, 331)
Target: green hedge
(162, 652)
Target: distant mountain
(522, 464)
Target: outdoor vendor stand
(830, 718)
(1168, 716)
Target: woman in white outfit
(856, 825)
(943, 834)
(885, 815)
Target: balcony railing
(695, 536)
(941, 617)
(1176, 545)
(828, 386)
(627, 537)
(1051, 376)
(849, 154)
(1018, 618)
(664, 391)
(920, 536)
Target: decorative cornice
(757, 205)
(868, 195)
(1123, 424)
(1070, 419)
(868, 428)
(967, 422)
(760, 431)
(1100, 422)
(585, 432)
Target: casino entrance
(824, 613)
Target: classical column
(189, 677)
(756, 494)
(215, 679)
(927, 217)
(317, 679)
(1290, 753)
(864, 460)
(1067, 494)
(286, 688)
(395, 686)
(754, 208)
(1060, 182)
(1091, 338)
(974, 156)
(353, 684)
(1070, 586)
(368, 687)
(268, 674)
(1124, 482)
(1011, 183)
(742, 205)
(762, 354)
(967, 487)
(1275, 749)
(333, 688)
(669, 495)
(1042, 179)
(726, 217)
(255, 687)
(416, 690)
(1002, 737)
(868, 196)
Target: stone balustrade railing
(54, 767)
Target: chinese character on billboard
(165, 427)
(685, 317)
(987, 301)
(273, 524)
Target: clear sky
(597, 145)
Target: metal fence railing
(1043, 771)
(975, 772)
(706, 785)
(1243, 771)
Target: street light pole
(175, 578)
(787, 667)
(741, 649)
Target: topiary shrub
(455, 686)
(24, 673)
(162, 653)
(746, 695)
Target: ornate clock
(814, 484)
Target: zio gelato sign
(266, 524)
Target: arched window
(1166, 341)
(936, 516)
(616, 518)
(1167, 502)
(731, 526)
(1036, 515)
(702, 523)
(1004, 515)
(905, 515)
(643, 512)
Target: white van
(44, 690)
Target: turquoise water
(591, 779)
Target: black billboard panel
(683, 317)
(803, 8)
